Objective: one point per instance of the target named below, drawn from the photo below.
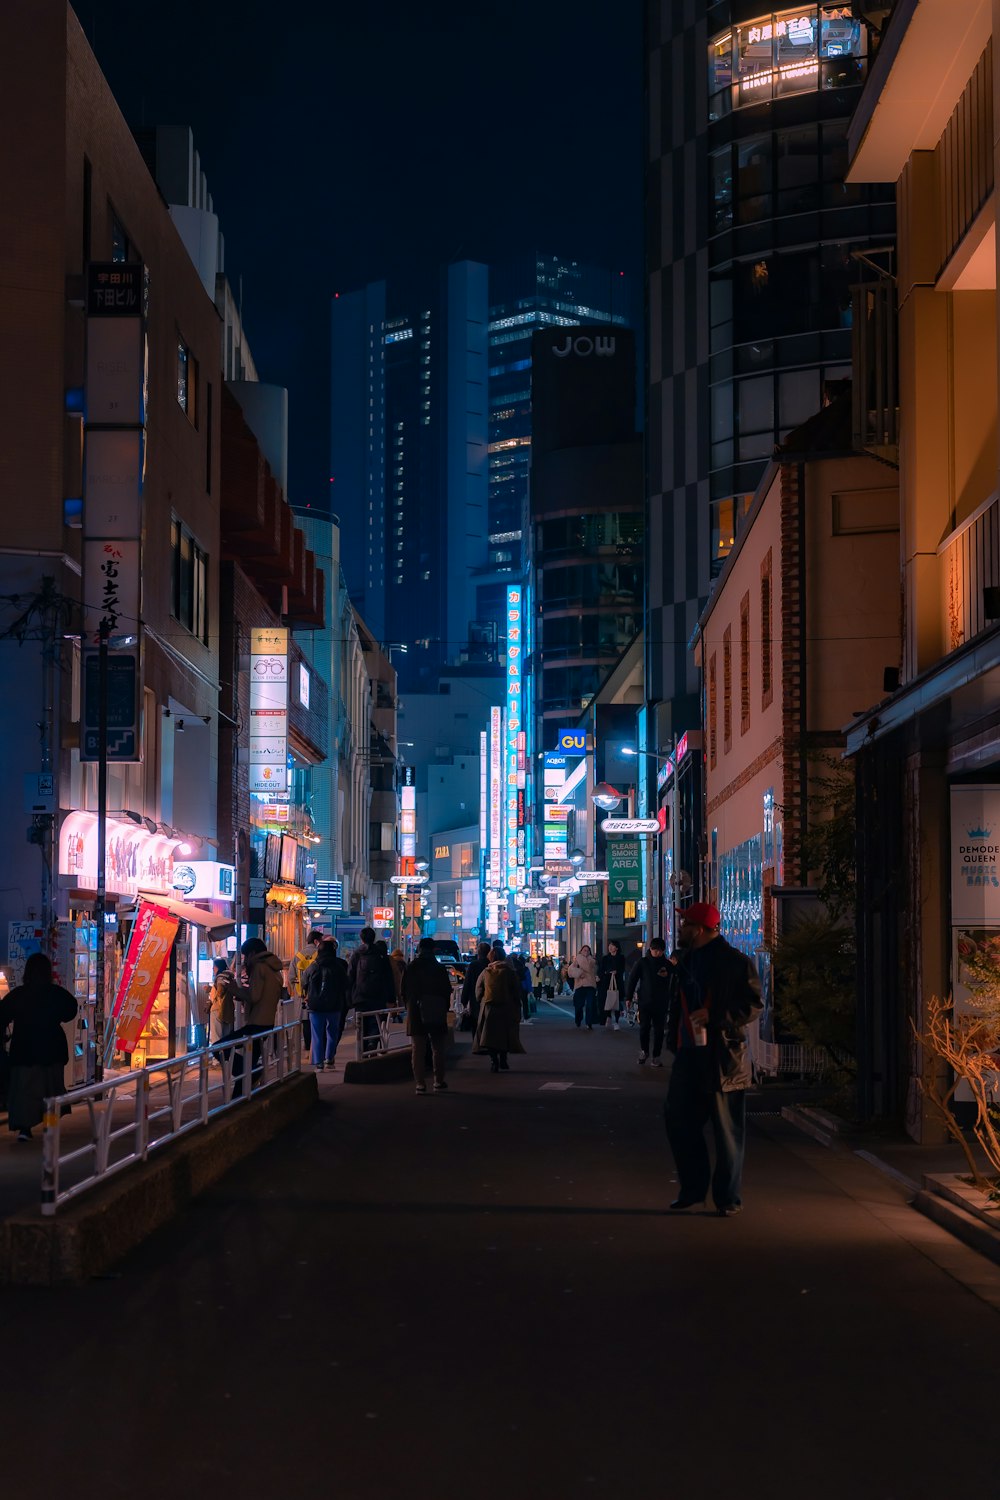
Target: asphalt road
(479, 1294)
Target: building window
(187, 382)
(121, 248)
(767, 684)
(713, 707)
(189, 581)
(727, 690)
(745, 663)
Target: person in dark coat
(717, 995)
(654, 977)
(371, 984)
(326, 997)
(470, 1002)
(498, 1032)
(611, 984)
(427, 996)
(39, 1052)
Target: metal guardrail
(789, 1059)
(373, 1040)
(133, 1114)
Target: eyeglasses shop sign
(975, 855)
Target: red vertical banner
(148, 952)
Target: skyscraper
(408, 462)
(531, 292)
(752, 235)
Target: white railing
(373, 1040)
(790, 1059)
(133, 1114)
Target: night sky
(346, 143)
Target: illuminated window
(187, 382)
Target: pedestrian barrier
(132, 1114)
(372, 1031)
(788, 1059)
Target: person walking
(611, 984)
(470, 1001)
(582, 970)
(326, 997)
(397, 958)
(716, 996)
(523, 973)
(498, 1031)
(222, 1002)
(260, 994)
(35, 1010)
(370, 985)
(654, 978)
(427, 996)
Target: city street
(479, 1293)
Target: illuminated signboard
(408, 821)
(783, 52)
(484, 785)
(514, 736)
(269, 711)
(496, 798)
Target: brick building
(795, 638)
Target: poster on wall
(975, 856)
(975, 971)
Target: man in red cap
(717, 995)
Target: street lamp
(605, 796)
(650, 754)
(577, 856)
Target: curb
(90, 1235)
(965, 1226)
(823, 1127)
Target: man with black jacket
(716, 996)
(654, 977)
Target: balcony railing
(970, 564)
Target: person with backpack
(498, 1031)
(326, 997)
(370, 985)
(427, 997)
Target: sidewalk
(935, 1178)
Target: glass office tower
(752, 244)
(532, 291)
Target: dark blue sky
(344, 143)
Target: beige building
(928, 754)
(796, 637)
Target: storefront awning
(216, 927)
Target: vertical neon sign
(514, 727)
